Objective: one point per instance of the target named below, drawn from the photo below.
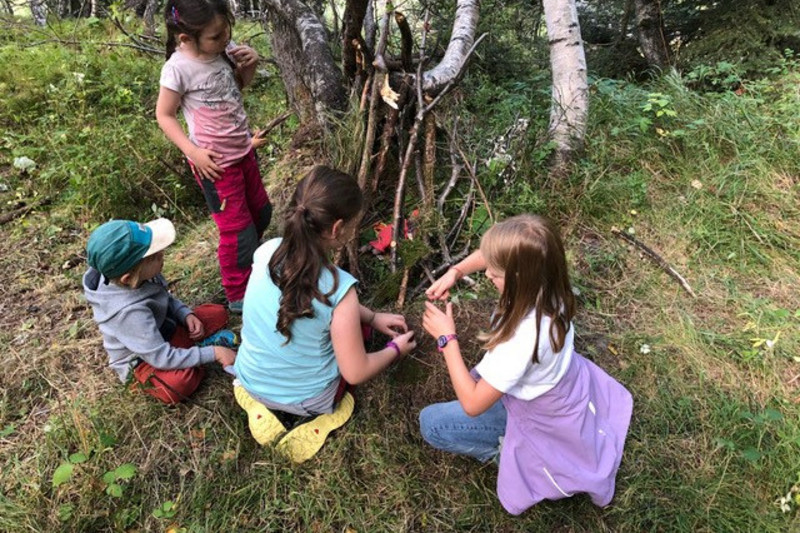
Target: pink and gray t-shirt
(211, 103)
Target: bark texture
(570, 104)
(299, 42)
(352, 22)
(650, 29)
(461, 40)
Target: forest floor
(713, 444)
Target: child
(561, 419)
(301, 333)
(203, 75)
(144, 328)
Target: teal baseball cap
(118, 245)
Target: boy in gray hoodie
(146, 331)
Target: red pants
(172, 386)
(241, 209)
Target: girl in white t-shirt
(561, 419)
(204, 75)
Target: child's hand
(405, 342)
(389, 324)
(259, 139)
(440, 289)
(204, 164)
(243, 56)
(224, 356)
(195, 327)
(436, 322)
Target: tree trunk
(39, 12)
(352, 22)
(299, 43)
(650, 29)
(149, 17)
(464, 25)
(570, 105)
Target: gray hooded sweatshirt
(135, 322)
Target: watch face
(442, 341)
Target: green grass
(715, 434)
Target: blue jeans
(447, 427)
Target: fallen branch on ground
(657, 258)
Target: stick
(22, 211)
(657, 258)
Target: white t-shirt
(212, 104)
(509, 368)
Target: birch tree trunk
(650, 29)
(149, 17)
(314, 83)
(299, 43)
(570, 104)
(39, 12)
(461, 40)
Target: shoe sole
(304, 441)
(264, 425)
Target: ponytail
(323, 197)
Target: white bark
(464, 26)
(318, 70)
(39, 12)
(570, 105)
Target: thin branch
(657, 258)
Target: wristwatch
(442, 341)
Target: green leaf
(752, 455)
(106, 440)
(125, 471)
(62, 474)
(114, 490)
(8, 430)
(109, 477)
(65, 511)
(772, 414)
(77, 458)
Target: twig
(655, 257)
(471, 170)
(274, 123)
(22, 211)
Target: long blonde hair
(529, 252)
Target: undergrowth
(708, 180)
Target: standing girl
(203, 75)
(561, 419)
(301, 334)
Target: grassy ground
(715, 438)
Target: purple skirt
(566, 441)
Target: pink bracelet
(392, 344)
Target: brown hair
(322, 197)
(190, 17)
(528, 250)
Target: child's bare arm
(167, 116)
(355, 364)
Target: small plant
(720, 77)
(114, 479)
(166, 510)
